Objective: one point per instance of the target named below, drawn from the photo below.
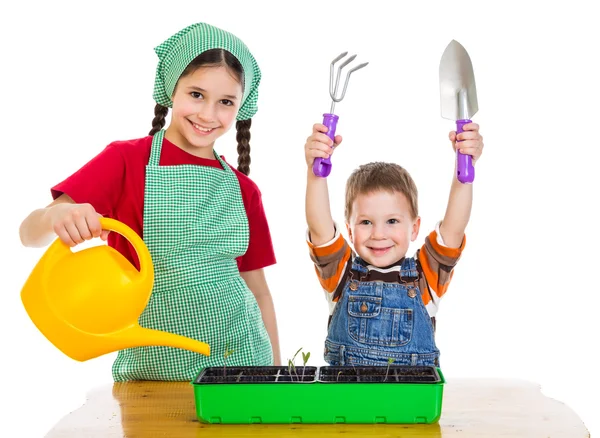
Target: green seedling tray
(324, 395)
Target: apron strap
(225, 166)
(157, 141)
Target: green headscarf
(178, 51)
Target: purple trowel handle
(322, 166)
(465, 172)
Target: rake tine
(348, 79)
(339, 74)
(337, 79)
(334, 85)
(331, 68)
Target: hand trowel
(458, 98)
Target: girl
(202, 220)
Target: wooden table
(471, 408)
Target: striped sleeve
(437, 264)
(331, 263)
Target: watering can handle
(465, 172)
(146, 267)
(322, 166)
(143, 254)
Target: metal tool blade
(458, 93)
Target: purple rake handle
(465, 172)
(322, 166)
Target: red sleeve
(99, 182)
(260, 253)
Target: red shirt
(113, 183)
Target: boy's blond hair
(377, 176)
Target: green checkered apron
(195, 225)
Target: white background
(523, 300)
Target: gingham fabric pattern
(178, 51)
(195, 225)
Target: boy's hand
(472, 141)
(319, 145)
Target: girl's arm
(99, 182)
(257, 283)
(318, 212)
(72, 223)
(460, 201)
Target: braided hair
(243, 147)
(158, 122)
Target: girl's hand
(472, 141)
(319, 145)
(74, 223)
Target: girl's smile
(200, 130)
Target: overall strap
(408, 270)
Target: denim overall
(374, 321)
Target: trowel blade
(458, 94)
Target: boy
(382, 303)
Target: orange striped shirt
(436, 262)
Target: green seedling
(292, 366)
(226, 354)
(390, 360)
(305, 357)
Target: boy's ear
(350, 236)
(415, 229)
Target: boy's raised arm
(460, 200)
(318, 211)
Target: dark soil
(341, 374)
(395, 374)
(256, 375)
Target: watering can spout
(134, 336)
(88, 303)
(139, 336)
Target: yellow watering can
(87, 303)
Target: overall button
(363, 307)
(353, 285)
(412, 293)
